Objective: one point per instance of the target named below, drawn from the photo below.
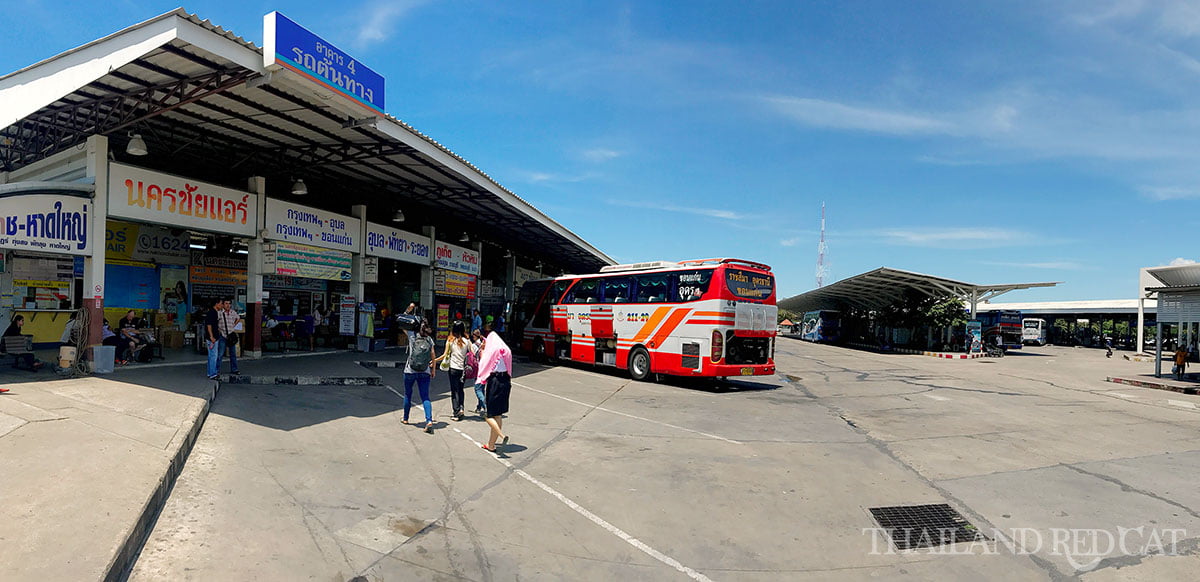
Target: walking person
(477, 344)
(456, 351)
(1108, 346)
(494, 375)
(1181, 357)
(419, 369)
(476, 323)
(214, 341)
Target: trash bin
(102, 359)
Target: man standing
(477, 323)
(213, 339)
(230, 323)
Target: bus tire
(639, 364)
(539, 351)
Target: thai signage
(126, 241)
(46, 222)
(454, 284)
(311, 226)
(523, 276)
(148, 196)
(457, 258)
(296, 260)
(389, 243)
(293, 47)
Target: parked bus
(821, 326)
(1004, 323)
(702, 318)
(1033, 331)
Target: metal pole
(1158, 349)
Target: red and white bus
(703, 318)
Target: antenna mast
(821, 248)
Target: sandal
(491, 450)
(405, 421)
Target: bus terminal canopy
(879, 288)
(209, 108)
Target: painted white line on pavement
(1181, 404)
(936, 397)
(653, 553)
(711, 436)
(394, 391)
(1120, 395)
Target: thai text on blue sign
(311, 226)
(389, 243)
(290, 45)
(456, 258)
(46, 222)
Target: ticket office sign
(389, 243)
(311, 226)
(456, 258)
(149, 196)
(46, 222)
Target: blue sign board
(292, 46)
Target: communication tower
(822, 270)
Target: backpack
(470, 366)
(420, 354)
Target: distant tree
(785, 314)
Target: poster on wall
(346, 315)
(454, 284)
(296, 260)
(173, 280)
(443, 321)
(210, 284)
(131, 287)
(127, 241)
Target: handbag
(470, 366)
(445, 365)
(232, 339)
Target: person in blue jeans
(213, 340)
(419, 369)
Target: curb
(303, 380)
(946, 355)
(122, 562)
(1155, 385)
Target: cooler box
(66, 356)
(102, 359)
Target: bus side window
(585, 291)
(651, 288)
(616, 290)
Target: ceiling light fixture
(136, 145)
(398, 216)
(298, 188)
(464, 238)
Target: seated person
(109, 338)
(129, 332)
(69, 334)
(14, 329)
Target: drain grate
(925, 526)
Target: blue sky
(984, 141)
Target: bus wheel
(639, 364)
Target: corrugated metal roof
(1110, 306)
(881, 287)
(1177, 276)
(274, 128)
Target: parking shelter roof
(208, 108)
(879, 288)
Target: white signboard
(46, 222)
(149, 196)
(455, 258)
(524, 276)
(311, 226)
(389, 243)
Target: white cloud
(1180, 261)
(829, 114)
(956, 237)
(379, 20)
(1169, 193)
(789, 242)
(601, 154)
(710, 212)
(537, 177)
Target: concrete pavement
(86, 463)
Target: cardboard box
(172, 338)
(161, 319)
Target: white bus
(1033, 331)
